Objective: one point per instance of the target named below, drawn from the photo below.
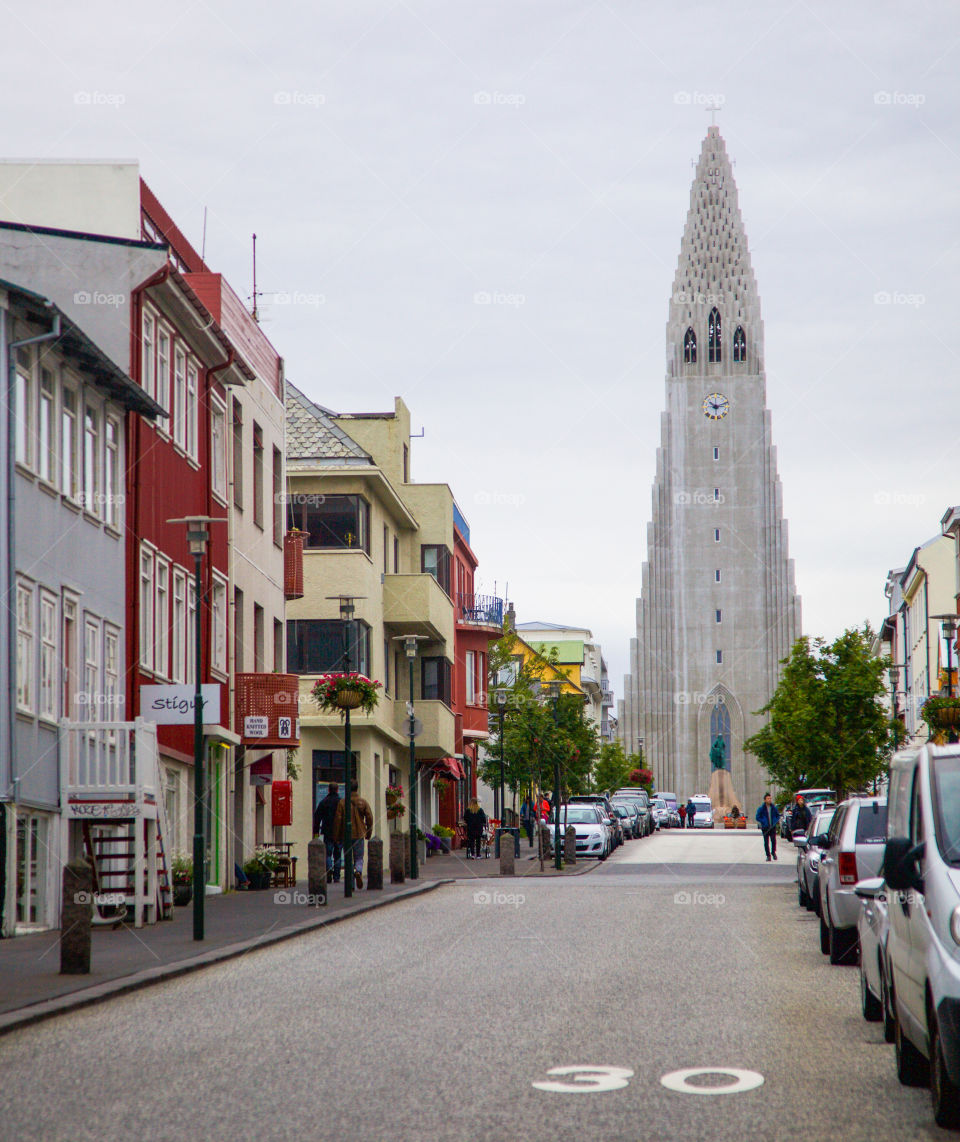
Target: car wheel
(943, 1093)
(869, 1004)
(824, 933)
(816, 902)
(842, 945)
(802, 898)
(887, 1009)
(912, 1067)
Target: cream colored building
(377, 537)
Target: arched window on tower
(714, 335)
(739, 345)
(690, 347)
(720, 727)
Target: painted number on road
(586, 1080)
(740, 1080)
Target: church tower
(718, 608)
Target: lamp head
(501, 696)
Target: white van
(703, 817)
(922, 868)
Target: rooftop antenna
(203, 241)
(256, 315)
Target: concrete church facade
(718, 608)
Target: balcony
(480, 611)
(417, 604)
(606, 696)
(267, 710)
(439, 735)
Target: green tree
(613, 767)
(828, 722)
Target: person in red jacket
(683, 815)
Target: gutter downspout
(12, 346)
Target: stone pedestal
(399, 858)
(570, 845)
(546, 842)
(375, 863)
(507, 857)
(76, 913)
(317, 869)
(722, 795)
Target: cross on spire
(713, 109)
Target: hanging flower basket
(941, 714)
(340, 692)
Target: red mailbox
(281, 807)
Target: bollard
(546, 842)
(570, 845)
(398, 849)
(374, 863)
(507, 857)
(317, 869)
(76, 914)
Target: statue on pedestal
(718, 753)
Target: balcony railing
(606, 696)
(485, 610)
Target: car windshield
(820, 823)
(622, 811)
(576, 815)
(701, 808)
(658, 804)
(872, 824)
(946, 794)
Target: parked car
(641, 796)
(660, 814)
(815, 799)
(872, 928)
(628, 820)
(606, 806)
(675, 821)
(635, 810)
(853, 850)
(922, 870)
(669, 798)
(703, 817)
(594, 837)
(808, 860)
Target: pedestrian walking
(801, 816)
(527, 819)
(476, 823)
(361, 828)
(683, 816)
(691, 813)
(323, 817)
(767, 817)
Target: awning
(447, 765)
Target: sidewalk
(32, 989)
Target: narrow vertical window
(716, 535)
(716, 575)
(690, 347)
(719, 616)
(163, 378)
(406, 464)
(278, 646)
(396, 555)
(48, 656)
(719, 657)
(237, 454)
(24, 408)
(716, 453)
(257, 475)
(68, 443)
(716, 495)
(46, 427)
(277, 497)
(180, 397)
(178, 626)
(25, 664)
(190, 655)
(219, 621)
(238, 648)
(91, 667)
(147, 643)
(739, 345)
(112, 496)
(714, 335)
(148, 360)
(161, 619)
(218, 449)
(91, 461)
(192, 411)
(259, 634)
(111, 673)
(386, 549)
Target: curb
(48, 1008)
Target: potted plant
(395, 806)
(443, 784)
(259, 869)
(941, 715)
(444, 834)
(181, 872)
(348, 691)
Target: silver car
(808, 860)
(853, 850)
(660, 813)
(872, 931)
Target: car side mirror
(900, 869)
(823, 841)
(800, 842)
(869, 889)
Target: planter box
(293, 565)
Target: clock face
(716, 406)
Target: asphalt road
(434, 1018)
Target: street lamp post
(347, 609)
(501, 696)
(554, 687)
(197, 537)
(410, 647)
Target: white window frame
(218, 613)
(193, 391)
(69, 431)
(91, 666)
(146, 604)
(47, 426)
(113, 497)
(189, 667)
(178, 407)
(26, 665)
(161, 617)
(91, 459)
(48, 696)
(148, 367)
(25, 416)
(470, 676)
(111, 672)
(218, 448)
(164, 339)
(178, 626)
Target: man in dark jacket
(767, 817)
(691, 813)
(361, 829)
(801, 816)
(323, 817)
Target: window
(714, 337)
(330, 765)
(218, 604)
(719, 616)
(690, 347)
(161, 618)
(218, 449)
(716, 575)
(716, 453)
(112, 496)
(180, 397)
(24, 405)
(435, 561)
(178, 627)
(91, 460)
(148, 361)
(470, 676)
(48, 656)
(278, 646)
(91, 666)
(146, 608)
(435, 680)
(716, 535)
(163, 377)
(238, 655)
(259, 634)
(191, 411)
(190, 657)
(396, 555)
(386, 667)
(315, 646)
(68, 661)
(716, 495)
(237, 454)
(111, 673)
(406, 464)
(338, 521)
(46, 448)
(739, 345)
(257, 475)
(68, 443)
(719, 657)
(386, 549)
(277, 498)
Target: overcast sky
(479, 208)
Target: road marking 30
(586, 1079)
(742, 1080)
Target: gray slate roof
(312, 434)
